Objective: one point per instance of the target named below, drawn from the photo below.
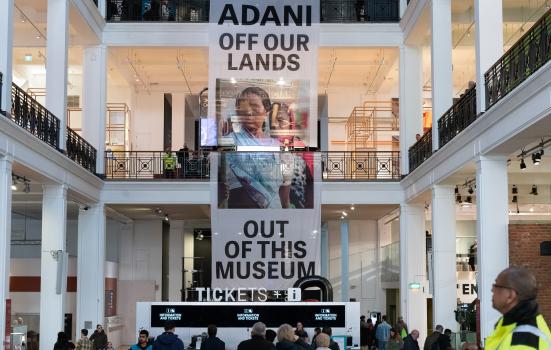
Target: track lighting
(522, 165)
(456, 190)
(458, 198)
(536, 158)
(166, 218)
(514, 190)
(344, 213)
(16, 180)
(352, 207)
(471, 190)
(469, 200)
(515, 199)
(534, 190)
(13, 184)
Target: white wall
(364, 280)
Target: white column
(411, 100)
(488, 18)
(102, 7)
(403, 7)
(54, 226)
(441, 62)
(94, 92)
(175, 260)
(345, 271)
(413, 302)
(90, 266)
(5, 238)
(6, 42)
(56, 64)
(492, 232)
(324, 251)
(444, 296)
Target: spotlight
(458, 198)
(514, 190)
(515, 199)
(158, 211)
(471, 190)
(522, 165)
(469, 199)
(536, 158)
(13, 184)
(352, 207)
(344, 213)
(534, 190)
(166, 218)
(27, 187)
(342, 217)
(456, 190)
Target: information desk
(234, 320)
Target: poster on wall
(263, 73)
(265, 214)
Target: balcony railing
(525, 57)
(33, 117)
(461, 114)
(420, 151)
(343, 166)
(331, 11)
(144, 165)
(80, 151)
(361, 166)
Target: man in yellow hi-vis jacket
(522, 327)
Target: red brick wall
(524, 250)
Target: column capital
(54, 190)
(491, 158)
(443, 191)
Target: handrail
(336, 166)
(526, 56)
(460, 115)
(420, 151)
(33, 117)
(80, 151)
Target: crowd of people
(97, 341)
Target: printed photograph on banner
(255, 112)
(266, 180)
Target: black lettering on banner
(264, 61)
(302, 41)
(299, 246)
(230, 62)
(288, 12)
(221, 273)
(245, 248)
(245, 10)
(272, 270)
(246, 231)
(271, 42)
(291, 273)
(290, 41)
(282, 224)
(278, 247)
(222, 41)
(303, 272)
(263, 245)
(228, 14)
(246, 62)
(235, 249)
(258, 268)
(243, 274)
(270, 16)
(293, 65)
(465, 289)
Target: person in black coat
(213, 342)
(62, 342)
(410, 342)
(286, 338)
(99, 338)
(168, 340)
(258, 340)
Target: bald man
(410, 341)
(522, 327)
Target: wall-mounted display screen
(244, 316)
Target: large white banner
(263, 73)
(265, 215)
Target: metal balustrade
(80, 151)
(331, 11)
(33, 117)
(461, 114)
(361, 166)
(525, 57)
(144, 165)
(336, 166)
(420, 151)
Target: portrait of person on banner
(265, 180)
(262, 112)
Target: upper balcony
(192, 11)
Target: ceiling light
(458, 199)
(38, 36)
(342, 217)
(159, 211)
(166, 218)
(536, 158)
(531, 209)
(233, 81)
(352, 207)
(469, 199)
(456, 190)
(515, 199)
(281, 81)
(534, 190)
(522, 165)
(344, 213)
(13, 184)
(471, 190)
(514, 190)
(28, 57)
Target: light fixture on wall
(514, 190)
(534, 190)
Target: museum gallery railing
(331, 11)
(33, 117)
(526, 56)
(336, 166)
(420, 151)
(80, 151)
(461, 114)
